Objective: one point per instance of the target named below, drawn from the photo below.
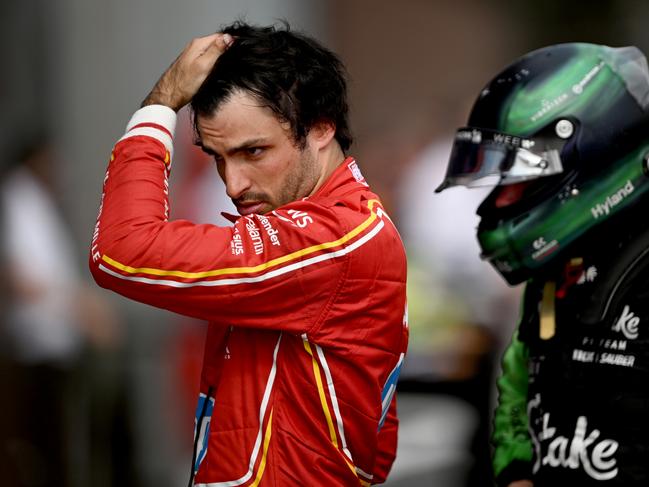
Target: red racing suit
(306, 308)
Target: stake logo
(585, 450)
(627, 324)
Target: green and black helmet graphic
(563, 134)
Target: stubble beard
(301, 181)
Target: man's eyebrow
(207, 150)
(247, 145)
(243, 146)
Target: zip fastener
(199, 422)
(210, 391)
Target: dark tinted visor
(476, 164)
(486, 158)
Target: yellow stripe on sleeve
(245, 270)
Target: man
(563, 133)
(305, 292)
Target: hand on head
(180, 82)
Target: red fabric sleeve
(253, 273)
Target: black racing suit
(573, 403)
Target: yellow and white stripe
(334, 402)
(201, 276)
(338, 431)
(367, 478)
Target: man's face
(256, 157)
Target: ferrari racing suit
(306, 308)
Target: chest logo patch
(356, 172)
(627, 324)
(586, 450)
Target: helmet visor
(486, 158)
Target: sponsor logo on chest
(626, 328)
(586, 450)
(627, 324)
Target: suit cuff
(155, 121)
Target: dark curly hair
(301, 81)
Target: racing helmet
(562, 133)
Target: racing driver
(304, 292)
(563, 133)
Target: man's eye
(254, 151)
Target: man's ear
(322, 133)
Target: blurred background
(100, 391)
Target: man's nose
(236, 181)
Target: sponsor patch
(612, 200)
(356, 172)
(255, 236)
(586, 450)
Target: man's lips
(249, 208)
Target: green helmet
(563, 132)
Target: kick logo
(627, 324)
(584, 450)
